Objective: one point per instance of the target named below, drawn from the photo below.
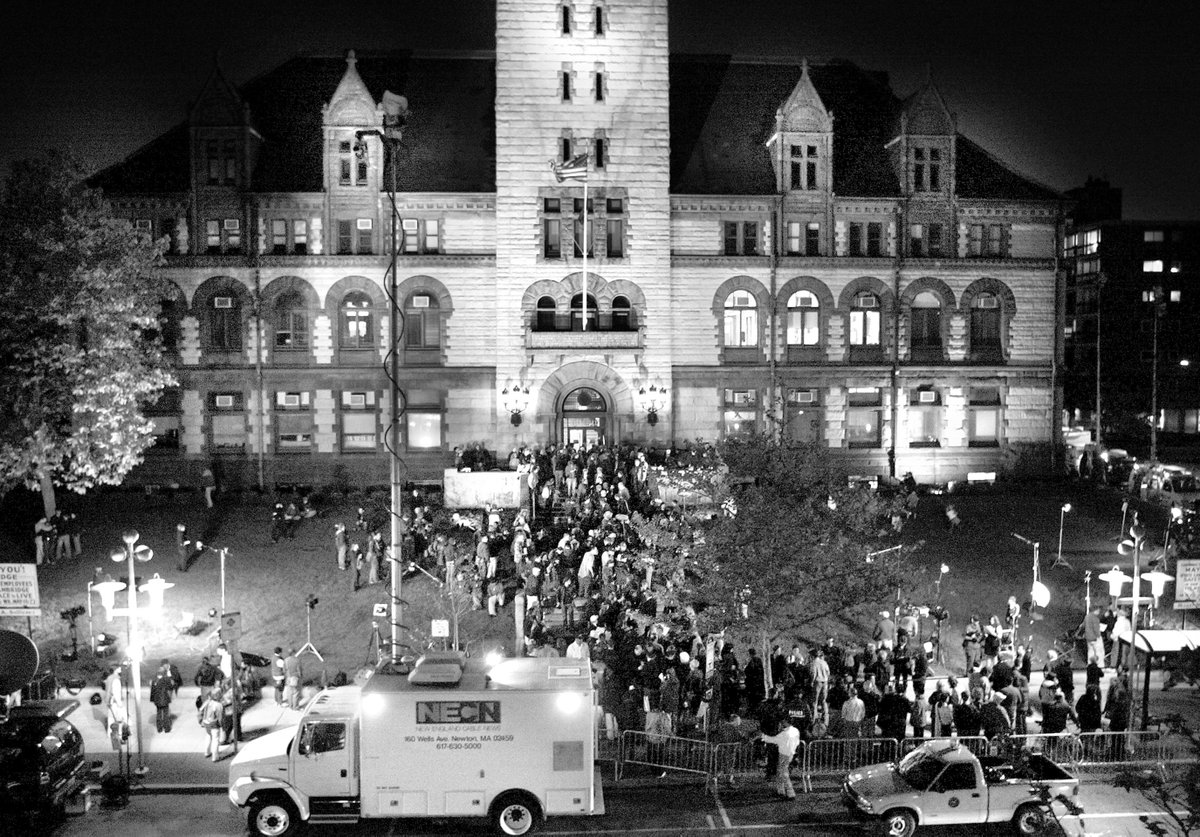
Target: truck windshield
(919, 769)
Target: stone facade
(854, 271)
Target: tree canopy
(79, 348)
(796, 545)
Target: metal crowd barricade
(838, 756)
(976, 744)
(1103, 750)
(740, 759)
(665, 752)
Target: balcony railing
(565, 331)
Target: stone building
(771, 245)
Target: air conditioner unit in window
(357, 399)
(868, 301)
(290, 399)
(222, 302)
(805, 396)
(223, 402)
(420, 301)
(364, 223)
(987, 302)
(928, 396)
(233, 224)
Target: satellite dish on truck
(18, 661)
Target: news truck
(446, 736)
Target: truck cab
(944, 783)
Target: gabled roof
(218, 103)
(722, 112)
(925, 112)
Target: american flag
(574, 169)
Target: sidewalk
(176, 759)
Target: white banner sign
(439, 627)
(19, 590)
(1187, 585)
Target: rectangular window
(812, 239)
(294, 431)
(1152, 236)
(601, 152)
(741, 238)
(424, 430)
(345, 237)
(344, 171)
(598, 20)
(566, 85)
(614, 238)
(925, 418)
(984, 417)
(360, 173)
(578, 236)
(856, 239)
(410, 235)
(300, 237)
(874, 239)
(599, 87)
(566, 20)
(864, 417)
(212, 236)
(805, 419)
(987, 240)
(552, 238)
(916, 241)
(359, 429)
(803, 169)
(432, 241)
(279, 237)
(1152, 266)
(551, 205)
(565, 149)
(933, 242)
(233, 234)
(213, 157)
(363, 227)
(614, 206)
(794, 239)
(228, 431)
(740, 414)
(230, 149)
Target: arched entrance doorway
(584, 417)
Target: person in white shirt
(787, 741)
(854, 712)
(578, 650)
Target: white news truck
(444, 737)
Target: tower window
(566, 20)
(927, 169)
(598, 20)
(599, 87)
(804, 167)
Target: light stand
(308, 647)
(395, 116)
(1133, 545)
(1039, 593)
(1087, 591)
(1059, 561)
(131, 555)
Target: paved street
(646, 810)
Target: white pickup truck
(943, 783)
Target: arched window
(865, 320)
(547, 310)
(741, 320)
(622, 315)
(803, 319)
(422, 322)
(577, 312)
(225, 323)
(925, 327)
(985, 328)
(357, 326)
(291, 321)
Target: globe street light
(1133, 546)
(132, 555)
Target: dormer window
(927, 169)
(804, 167)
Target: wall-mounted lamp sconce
(515, 400)
(654, 398)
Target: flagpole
(585, 239)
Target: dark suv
(41, 757)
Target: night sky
(1057, 89)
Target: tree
(793, 548)
(79, 350)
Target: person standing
(374, 553)
(993, 719)
(278, 674)
(854, 712)
(786, 741)
(1088, 709)
(894, 709)
(44, 538)
(118, 717)
(341, 544)
(209, 716)
(183, 548)
(820, 686)
(292, 673)
(209, 481)
(972, 642)
(161, 688)
(360, 562)
(1093, 636)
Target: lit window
(983, 406)
(359, 422)
(300, 237)
(924, 418)
(865, 320)
(1152, 236)
(805, 418)
(279, 228)
(424, 430)
(1152, 266)
(357, 326)
(291, 323)
(803, 319)
(741, 320)
(740, 413)
(864, 417)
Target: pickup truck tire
(272, 816)
(899, 823)
(514, 814)
(1029, 819)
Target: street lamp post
(1133, 546)
(1158, 298)
(131, 555)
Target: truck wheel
(1029, 819)
(514, 814)
(899, 823)
(272, 817)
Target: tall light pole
(1159, 300)
(1133, 546)
(395, 116)
(131, 555)
(1062, 514)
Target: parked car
(1171, 485)
(41, 758)
(943, 783)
